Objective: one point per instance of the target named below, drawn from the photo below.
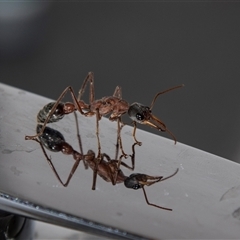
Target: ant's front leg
(120, 125)
(119, 161)
(134, 134)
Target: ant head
(139, 113)
(135, 181)
(142, 114)
(138, 180)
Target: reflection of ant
(105, 167)
(113, 105)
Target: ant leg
(52, 112)
(133, 156)
(119, 142)
(117, 148)
(78, 133)
(80, 141)
(122, 164)
(97, 162)
(89, 78)
(69, 108)
(97, 132)
(99, 156)
(132, 159)
(151, 204)
(118, 92)
(94, 179)
(54, 169)
(113, 175)
(119, 162)
(134, 134)
(109, 171)
(49, 116)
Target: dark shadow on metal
(27, 209)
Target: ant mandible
(113, 105)
(107, 169)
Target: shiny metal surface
(204, 194)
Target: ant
(105, 167)
(113, 105)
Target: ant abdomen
(51, 138)
(56, 116)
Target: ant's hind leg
(70, 108)
(54, 169)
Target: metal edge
(31, 210)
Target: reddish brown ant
(113, 105)
(104, 166)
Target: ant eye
(136, 186)
(138, 112)
(139, 116)
(132, 182)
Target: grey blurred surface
(42, 231)
(204, 194)
(143, 47)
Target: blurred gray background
(143, 47)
